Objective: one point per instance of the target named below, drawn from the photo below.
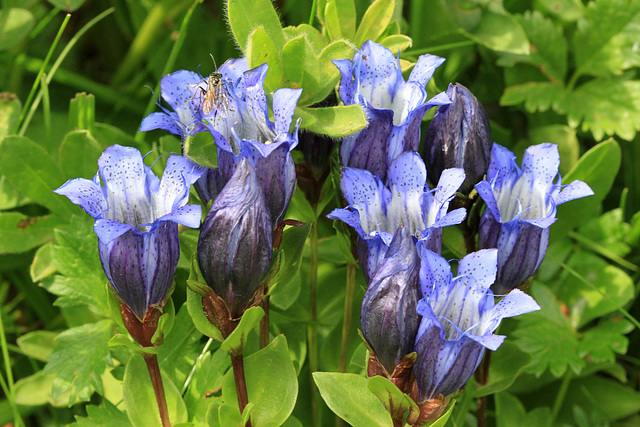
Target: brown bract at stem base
(141, 330)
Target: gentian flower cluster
(136, 220)
(521, 206)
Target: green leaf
(79, 359)
(201, 148)
(128, 342)
(237, 339)
(602, 20)
(15, 24)
(20, 233)
(105, 415)
(507, 363)
(207, 376)
(10, 108)
(500, 32)
(548, 46)
(597, 167)
(396, 43)
(316, 38)
(38, 344)
(35, 390)
(374, 21)
(604, 340)
(30, 168)
(348, 396)
(536, 96)
(600, 288)
(301, 67)
(230, 416)
(395, 401)
(336, 122)
(340, 19)
(566, 139)
(261, 49)
(293, 240)
(140, 399)
(67, 5)
(272, 385)
(244, 16)
(81, 280)
(511, 412)
(42, 265)
(202, 324)
(180, 348)
(79, 153)
(328, 73)
(82, 112)
(605, 107)
(548, 337)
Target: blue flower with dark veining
(521, 206)
(136, 220)
(394, 108)
(234, 247)
(459, 137)
(376, 210)
(459, 316)
(388, 316)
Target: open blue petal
(540, 163)
(233, 69)
(161, 250)
(178, 90)
(486, 192)
(435, 275)
(514, 304)
(163, 121)
(482, 265)
(284, 104)
(378, 75)
(86, 194)
(491, 342)
(424, 69)
(108, 230)
(502, 168)
(575, 190)
(347, 87)
(188, 215)
(366, 194)
(178, 177)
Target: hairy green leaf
(374, 21)
(246, 15)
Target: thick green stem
(237, 363)
(348, 315)
(313, 326)
(156, 381)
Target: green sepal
(165, 322)
(336, 122)
(394, 400)
(126, 341)
(261, 49)
(237, 339)
(82, 112)
(442, 421)
(198, 287)
(374, 21)
(202, 324)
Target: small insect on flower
(215, 98)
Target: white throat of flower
(527, 198)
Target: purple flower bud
(388, 317)
(521, 206)
(137, 217)
(234, 248)
(394, 108)
(459, 137)
(459, 318)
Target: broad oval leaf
(261, 49)
(244, 16)
(374, 21)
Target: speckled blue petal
(377, 73)
(346, 89)
(178, 90)
(575, 190)
(189, 216)
(165, 121)
(284, 104)
(173, 189)
(86, 194)
(502, 166)
(107, 230)
(366, 194)
(424, 68)
(161, 250)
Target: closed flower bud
(389, 319)
(234, 248)
(459, 137)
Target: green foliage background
(563, 71)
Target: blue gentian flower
(394, 108)
(376, 210)
(388, 316)
(459, 317)
(521, 206)
(459, 137)
(136, 220)
(234, 247)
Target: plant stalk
(313, 326)
(156, 381)
(348, 315)
(482, 378)
(237, 363)
(264, 323)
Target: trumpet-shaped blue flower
(521, 206)
(459, 317)
(376, 211)
(234, 248)
(388, 316)
(394, 108)
(459, 137)
(136, 220)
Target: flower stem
(562, 392)
(237, 362)
(264, 323)
(482, 378)
(313, 326)
(348, 315)
(156, 381)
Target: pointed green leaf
(536, 96)
(337, 121)
(20, 233)
(15, 24)
(340, 19)
(79, 359)
(31, 169)
(207, 376)
(38, 344)
(201, 148)
(244, 16)
(548, 46)
(35, 390)
(140, 399)
(500, 32)
(105, 415)
(42, 265)
(396, 43)
(374, 21)
(9, 113)
(395, 401)
(272, 385)
(348, 396)
(316, 38)
(260, 50)
(237, 339)
(606, 339)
